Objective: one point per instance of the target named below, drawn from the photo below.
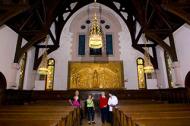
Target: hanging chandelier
(95, 33)
(148, 67)
(42, 69)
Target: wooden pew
(38, 109)
(30, 122)
(163, 122)
(124, 114)
(60, 118)
(162, 116)
(65, 115)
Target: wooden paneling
(169, 95)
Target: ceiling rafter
(166, 47)
(160, 13)
(58, 28)
(24, 24)
(160, 18)
(37, 37)
(177, 11)
(144, 21)
(9, 13)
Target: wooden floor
(97, 120)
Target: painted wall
(181, 38)
(68, 49)
(67, 53)
(7, 52)
(8, 40)
(182, 43)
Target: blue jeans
(90, 111)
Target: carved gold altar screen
(90, 75)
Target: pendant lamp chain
(148, 67)
(42, 69)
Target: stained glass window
(109, 44)
(50, 75)
(81, 47)
(141, 74)
(22, 70)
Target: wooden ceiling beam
(45, 27)
(26, 21)
(47, 11)
(147, 45)
(132, 27)
(160, 13)
(166, 47)
(12, 12)
(177, 11)
(44, 46)
(160, 31)
(21, 51)
(144, 22)
(140, 12)
(18, 47)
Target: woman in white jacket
(112, 102)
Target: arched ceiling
(32, 20)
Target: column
(159, 78)
(178, 81)
(13, 74)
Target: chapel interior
(135, 49)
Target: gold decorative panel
(94, 75)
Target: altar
(95, 75)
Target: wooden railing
(178, 95)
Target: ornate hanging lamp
(95, 33)
(42, 69)
(148, 67)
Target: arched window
(169, 69)
(81, 45)
(141, 74)
(50, 75)
(109, 44)
(22, 70)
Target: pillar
(13, 74)
(178, 80)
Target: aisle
(97, 119)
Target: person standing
(103, 107)
(90, 109)
(75, 102)
(112, 102)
